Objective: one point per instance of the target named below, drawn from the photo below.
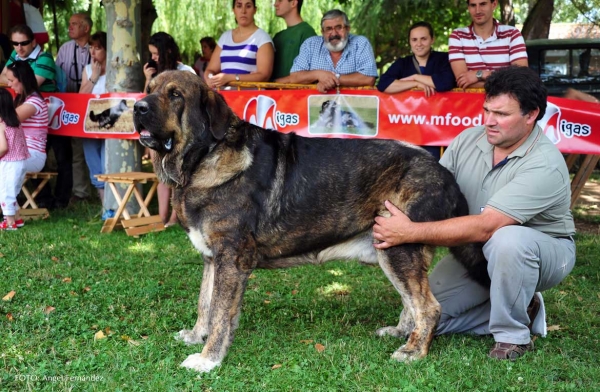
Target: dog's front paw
(198, 363)
(188, 336)
(405, 355)
(391, 331)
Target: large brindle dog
(255, 198)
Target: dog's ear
(219, 114)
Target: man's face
(505, 125)
(335, 34)
(482, 11)
(77, 27)
(283, 7)
(22, 45)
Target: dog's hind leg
(406, 266)
(232, 267)
(200, 331)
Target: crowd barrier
(574, 126)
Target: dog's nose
(141, 107)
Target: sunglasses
(22, 43)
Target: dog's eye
(175, 93)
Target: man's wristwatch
(479, 75)
(337, 76)
(237, 77)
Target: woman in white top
(165, 56)
(93, 81)
(242, 54)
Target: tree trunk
(537, 24)
(123, 74)
(507, 12)
(148, 17)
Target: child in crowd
(13, 154)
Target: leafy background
(384, 22)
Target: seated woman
(425, 70)
(164, 56)
(32, 111)
(242, 54)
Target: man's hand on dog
(393, 230)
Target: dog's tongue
(144, 133)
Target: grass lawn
(98, 312)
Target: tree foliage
(537, 24)
(191, 20)
(386, 24)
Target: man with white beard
(335, 59)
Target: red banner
(574, 126)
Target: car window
(586, 62)
(564, 64)
(555, 62)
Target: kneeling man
(517, 185)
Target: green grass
(140, 292)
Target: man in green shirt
(517, 187)
(287, 42)
(26, 49)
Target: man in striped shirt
(484, 46)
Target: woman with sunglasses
(26, 49)
(32, 111)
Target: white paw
(406, 356)
(198, 363)
(189, 337)
(388, 331)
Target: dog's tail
(471, 256)
(93, 116)
(369, 124)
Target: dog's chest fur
(195, 235)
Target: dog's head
(182, 120)
(328, 106)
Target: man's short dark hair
(299, 5)
(22, 29)
(521, 83)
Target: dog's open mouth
(147, 139)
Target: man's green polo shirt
(532, 185)
(42, 64)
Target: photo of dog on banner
(109, 115)
(343, 114)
